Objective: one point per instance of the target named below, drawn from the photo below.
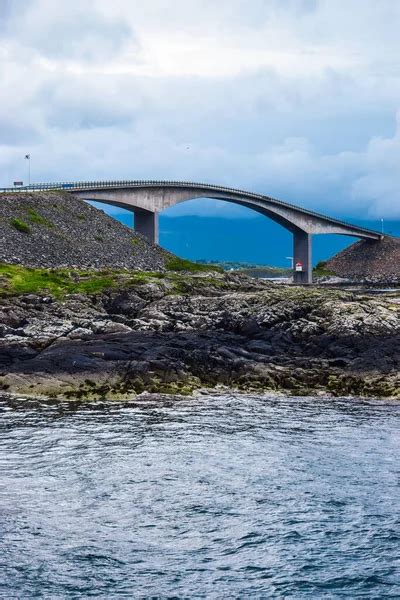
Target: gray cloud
(260, 95)
(76, 31)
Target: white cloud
(295, 99)
(378, 186)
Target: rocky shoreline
(175, 334)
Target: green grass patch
(35, 217)
(320, 270)
(181, 264)
(20, 225)
(16, 280)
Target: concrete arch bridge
(147, 198)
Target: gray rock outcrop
(176, 335)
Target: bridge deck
(78, 186)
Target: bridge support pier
(302, 253)
(146, 223)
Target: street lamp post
(382, 225)
(291, 261)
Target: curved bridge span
(147, 198)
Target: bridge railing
(78, 185)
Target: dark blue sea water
(256, 240)
(217, 497)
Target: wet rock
(247, 335)
(80, 333)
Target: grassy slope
(16, 279)
(321, 270)
(181, 264)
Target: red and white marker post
(299, 267)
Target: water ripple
(208, 497)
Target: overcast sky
(298, 99)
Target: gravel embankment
(64, 231)
(369, 261)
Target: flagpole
(28, 158)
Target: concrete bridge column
(302, 253)
(146, 223)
